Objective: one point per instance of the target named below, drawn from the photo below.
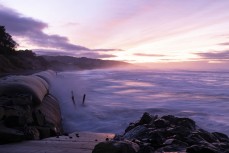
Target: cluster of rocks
(27, 110)
(153, 134)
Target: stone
(156, 139)
(39, 118)
(2, 113)
(146, 149)
(44, 132)
(186, 123)
(51, 111)
(31, 133)
(130, 127)
(200, 149)
(116, 147)
(145, 119)
(172, 119)
(15, 121)
(135, 132)
(8, 135)
(161, 123)
(171, 134)
(175, 142)
(221, 137)
(207, 136)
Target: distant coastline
(26, 62)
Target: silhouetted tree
(7, 44)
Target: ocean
(114, 98)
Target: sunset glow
(133, 31)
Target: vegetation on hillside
(12, 60)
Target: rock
(161, 123)
(170, 118)
(207, 136)
(146, 149)
(171, 148)
(175, 142)
(135, 132)
(221, 137)
(172, 134)
(145, 119)
(15, 121)
(31, 133)
(39, 118)
(200, 149)
(44, 132)
(130, 127)
(26, 106)
(2, 113)
(186, 123)
(156, 138)
(8, 135)
(51, 111)
(116, 147)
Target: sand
(77, 142)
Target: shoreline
(77, 142)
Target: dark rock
(135, 132)
(172, 119)
(8, 135)
(15, 121)
(200, 149)
(116, 147)
(194, 138)
(171, 148)
(44, 132)
(146, 149)
(207, 136)
(51, 112)
(39, 118)
(178, 131)
(2, 113)
(175, 142)
(156, 139)
(169, 134)
(161, 123)
(31, 133)
(145, 119)
(130, 127)
(186, 123)
(77, 135)
(221, 137)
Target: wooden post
(73, 98)
(84, 96)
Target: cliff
(27, 61)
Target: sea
(114, 98)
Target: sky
(135, 31)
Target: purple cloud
(107, 50)
(223, 55)
(224, 44)
(32, 30)
(52, 52)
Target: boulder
(8, 135)
(51, 111)
(46, 75)
(2, 113)
(168, 133)
(116, 147)
(29, 85)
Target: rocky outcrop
(153, 134)
(27, 110)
